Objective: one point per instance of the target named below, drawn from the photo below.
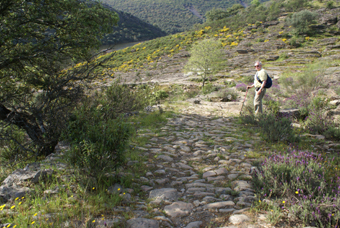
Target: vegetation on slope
(172, 16)
(131, 29)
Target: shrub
(209, 88)
(242, 87)
(227, 94)
(301, 21)
(330, 5)
(120, 99)
(272, 104)
(98, 144)
(161, 94)
(10, 149)
(317, 121)
(298, 179)
(276, 129)
(332, 133)
(296, 5)
(295, 41)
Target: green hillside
(131, 29)
(172, 16)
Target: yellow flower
(93, 188)
(8, 225)
(124, 193)
(33, 222)
(284, 39)
(35, 214)
(93, 221)
(283, 201)
(12, 207)
(14, 226)
(17, 198)
(118, 189)
(296, 192)
(260, 201)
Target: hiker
(260, 90)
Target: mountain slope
(172, 16)
(131, 29)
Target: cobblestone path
(198, 175)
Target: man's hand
(259, 92)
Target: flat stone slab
(218, 205)
(238, 219)
(165, 194)
(142, 223)
(183, 166)
(216, 178)
(178, 209)
(199, 185)
(146, 188)
(194, 224)
(209, 174)
(240, 185)
(165, 158)
(162, 181)
(221, 171)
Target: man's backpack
(268, 83)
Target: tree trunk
(29, 123)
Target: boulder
(178, 209)
(270, 23)
(290, 113)
(272, 57)
(329, 19)
(142, 223)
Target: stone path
(198, 175)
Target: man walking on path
(260, 80)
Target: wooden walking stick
(244, 101)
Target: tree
(256, 3)
(301, 22)
(206, 58)
(39, 40)
(218, 14)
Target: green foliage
(330, 5)
(98, 144)
(273, 106)
(218, 14)
(120, 99)
(296, 5)
(11, 151)
(39, 40)
(209, 88)
(256, 3)
(317, 121)
(206, 58)
(131, 29)
(276, 129)
(295, 41)
(301, 22)
(332, 133)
